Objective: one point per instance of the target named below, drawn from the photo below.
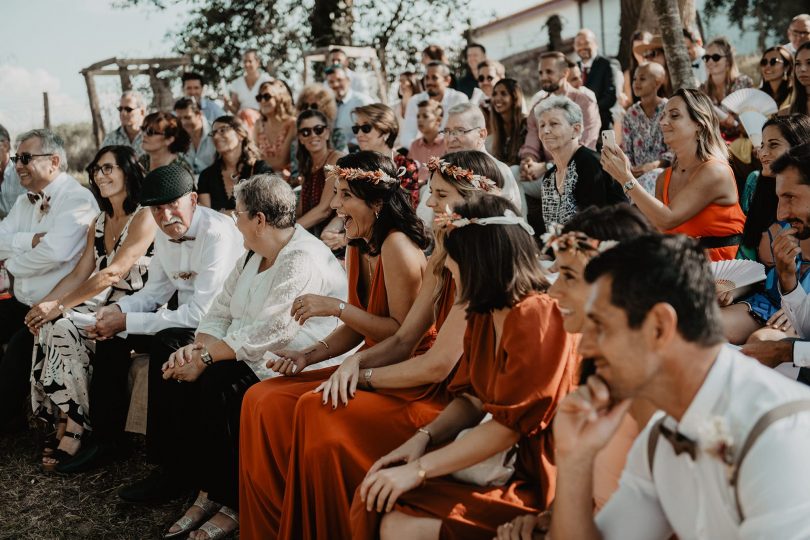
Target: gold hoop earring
(376, 214)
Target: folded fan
(750, 100)
(736, 274)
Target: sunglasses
(318, 130)
(26, 158)
(219, 131)
(125, 109)
(773, 61)
(713, 57)
(482, 78)
(263, 97)
(313, 106)
(150, 132)
(105, 169)
(365, 128)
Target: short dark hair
(473, 45)
(337, 50)
(444, 68)
(187, 103)
(192, 76)
(562, 60)
(798, 157)
(654, 269)
(499, 264)
(615, 222)
(168, 124)
(134, 175)
(396, 214)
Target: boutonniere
(716, 440)
(185, 275)
(45, 206)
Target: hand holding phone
(608, 138)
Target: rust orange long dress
(520, 384)
(269, 410)
(715, 221)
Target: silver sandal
(214, 532)
(187, 524)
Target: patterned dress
(559, 207)
(643, 141)
(61, 370)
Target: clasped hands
(313, 305)
(184, 364)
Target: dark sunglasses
(773, 61)
(150, 132)
(365, 128)
(319, 129)
(313, 106)
(482, 78)
(26, 158)
(263, 97)
(713, 57)
(127, 109)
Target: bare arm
(204, 199)
(84, 268)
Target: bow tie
(680, 443)
(696, 65)
(33, 197)
(183, 239)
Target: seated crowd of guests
(446, 318)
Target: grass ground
(43, 506)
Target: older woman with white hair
(575, 179)
(252, 315)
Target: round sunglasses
(772, 61)
(713, 57)
(318, 130)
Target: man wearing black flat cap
(194, 254)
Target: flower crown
(450, 220)
(556, 241)
(348, 174)
(460, 174)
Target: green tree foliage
(770, 17)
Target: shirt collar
(707, 397)
(192, 229)
(54, 186)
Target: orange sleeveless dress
(267, 426)
(714, 220)
(521, 383)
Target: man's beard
(802, 230)
(432, 93)
(550, 87)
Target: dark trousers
(193, 427)
(15, 363)
(109, 391)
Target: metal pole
(47, 116)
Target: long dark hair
(250, 152)
(302, 154)
(795, 128)
(127, 160)
(396, 212)
(786, 85)
(505, 145)
(799, 104)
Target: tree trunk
(678, 64)
(649, 21)
(629, 19)
(554, 25)
(331, 22)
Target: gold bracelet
(421, 472)
(426, 431)
(325, 344)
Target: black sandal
(60, 456)
(52, 440)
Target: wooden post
(98, 125)
(46, 121)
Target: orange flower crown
(555, 240)
(460, 174)
(350, 175)
(450, 220)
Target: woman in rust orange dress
(385, 264)
(697, 196)
(518, 363)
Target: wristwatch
(341, 307)
(205, 356)
(629, 185)
(367, 378)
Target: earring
(376, 214)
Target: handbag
(494, 471)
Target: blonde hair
(710, 143)
(320, 94)
(284, 104)
(732, 72)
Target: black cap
(166, 184)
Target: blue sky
(72, 34)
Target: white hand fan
(753, 121)
(736, 275)
(750, 99)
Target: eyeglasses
(219, 131)
(105, 169)
(457, 132)
(319, 129)
(713, 57)
(799, 33)
(313, 106)
(653, 53)
(235, 214)
(263, 97)
(482, 78)
(150, 132)
(26, 158)
(773, 61)
(127, 109)
(365, 128)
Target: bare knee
(397, 525)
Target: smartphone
(608, 138)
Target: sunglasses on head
(125, 109)
(488, 78)
(318, 130)
(149, 132)
(772, 61)
(313, 106)
(365, 128)
(713, 57)
(263, 97)
(26, 158)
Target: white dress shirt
(694, 499)
(196, 269)
(252, 313)
(10, 189)
(247, 96)
(64, 220)
(343, 119)
(409, 130)
(796, 305)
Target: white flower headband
(450, 221)
(373, 177)
(461, 174)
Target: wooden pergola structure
(367, 54)
(124, 69)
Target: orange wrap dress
(269, 410)
(714, 220)
(520, 384)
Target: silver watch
(629, 185)
(341, 307)
(205, 356)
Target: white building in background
(525, 30)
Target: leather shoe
(158, 487)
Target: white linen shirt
(252, 313)
(208, 258)
(37, 270)
(695, 499)
(409, 129)
(796, 305)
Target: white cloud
(21, 106)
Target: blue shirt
(211, 109)
(10, 189)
